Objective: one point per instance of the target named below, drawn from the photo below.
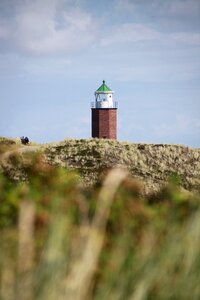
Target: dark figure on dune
(24, 140)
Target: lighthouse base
(104, 123)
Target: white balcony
(104, 104)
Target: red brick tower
(104, 114)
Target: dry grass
(152, 164)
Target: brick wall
(104, 123)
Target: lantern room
(104, 97)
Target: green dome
(103, 88)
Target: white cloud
(125, 5)
(3, 31)
(48, 27)
(131, 32)
(165, 8)
(186, 8)
(186, 38)
(136, 32)
(40, 28)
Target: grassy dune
(152, 164)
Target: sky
(54, 54)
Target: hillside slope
(150, 163)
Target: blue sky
(54, 54)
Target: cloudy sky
(55, 53)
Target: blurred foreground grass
(60, 240)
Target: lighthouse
(104, 114)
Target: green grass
(61, 240)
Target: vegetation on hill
(152, 164)
(5, 141)
(61, 240)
